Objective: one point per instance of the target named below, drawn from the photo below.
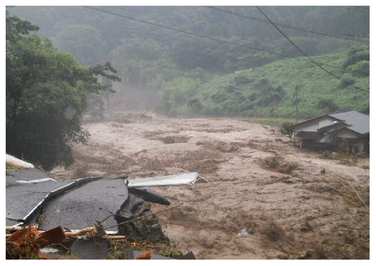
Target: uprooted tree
(46, 95)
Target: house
(346, 131)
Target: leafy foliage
(46, 96)
(179, 96)
(192, 75)
(346, 81)
(360, 68)
(148, 57)
(270, 90)
(356, 55)
(327, 105)
(287, 128)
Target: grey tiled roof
(357, 122)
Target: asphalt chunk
(86, 205)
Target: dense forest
(177, 60)
(159, 66)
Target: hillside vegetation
(150, 58)
(273, 89)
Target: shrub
(328, 105)
(346, 81)
(242, 79)
(355, 56)
(287, 128)
(278, 164)
(360, 69)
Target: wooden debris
(146, 255)
(27, 242)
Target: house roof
(335, 125)
(309, 120)
(355, 121)
(358, 122)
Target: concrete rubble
(90, 209)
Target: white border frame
(190, 3)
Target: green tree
(327, 105)
(46, 95)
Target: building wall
(346, 134)
(354, 146)
(315, 124)
(342, 139)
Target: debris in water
(137, 222)
(18, 163)
(170, 180)
(146, 255)
(86, 208)
(27, 242)
(244, 232)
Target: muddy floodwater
(264, 198)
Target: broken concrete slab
(25, 174)
(22, 199)
(81, 207)
(81, 203)
(148, 196)
(106, 203)
(25, 199)
(137, 222)
(170, 180)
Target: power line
(296, 46)
(180, 30)
(348, 37)
(218, 40)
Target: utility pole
(296, 102)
